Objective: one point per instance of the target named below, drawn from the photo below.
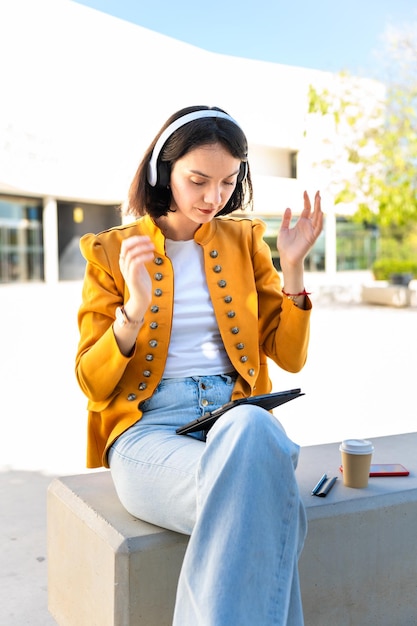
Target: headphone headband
(181, 121)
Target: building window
(21, 240)
(74, 220)
(356, 244)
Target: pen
(327, 488)
(319, 484)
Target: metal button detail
(149, 357)
(231, 314)
(154, 308)
(243, 359)
(235, 330)
(142, 386)
(214, 254)
(158, 276)
(153, 343)
(204, 402)
(131, 397)
(251, 372)
(217, 269)
(228, 299)
(147, 373)
(158, 261)
(158, 292)
(222, 283)
(153, 325)
(240, 346)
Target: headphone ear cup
(164, 174)
(243, 172)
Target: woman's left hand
(295, 243)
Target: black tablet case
(267, 401)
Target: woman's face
(202, 182)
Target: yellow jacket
(254, 320)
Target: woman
(181, 310)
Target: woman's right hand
(135, 252)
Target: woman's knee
(257, 428)
(250, 420)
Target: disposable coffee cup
(356, 462)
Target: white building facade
(84, 93)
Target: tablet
(267, 401)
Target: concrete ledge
(359, 564)
(381, 292)
(105, 567)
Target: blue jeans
(235, 494)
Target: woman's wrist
(125, 319)
(297, 294)
(134, 311)
(126, 336)
(293, 276)
(297, 298)
(126, 327)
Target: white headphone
(181, 121)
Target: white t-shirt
(196, 347)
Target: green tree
(379, 139)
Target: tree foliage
(379, 139)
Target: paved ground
(358, 381)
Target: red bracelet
(294, 295)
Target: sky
(329, 35)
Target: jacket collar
(206, 232)
(202, 236)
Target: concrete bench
(381, 292)
(359, 564)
